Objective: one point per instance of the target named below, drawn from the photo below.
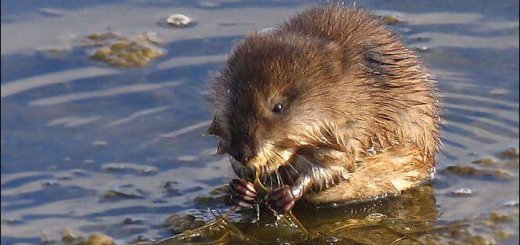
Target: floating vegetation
(124, 192)
(473, 172)
(56, 52)
(411, 218)
(511, 153)
(512, 164)
(407, 219)
(370, 230)
(177, 223)
(373, 228)
(217, 197)
(487, 229)
(220, 231)
(486, 161)
(69, 238)
(123, 52)
(123, 167)
(390, 19)
(99, 239)
(101, 37)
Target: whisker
(309, 162)
(280, 158)
(241, 173)
(289, 175)
(289, 164)
(259, 168)
(296, 172)
(294, 168)
(292, 172)
(259, 174)
(305, 159)
(279, 179)
(277, 159)
(263, 174)
(270, 181)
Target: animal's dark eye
(278, 108)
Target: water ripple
(25, 84)
(138, 114)
(55, 100)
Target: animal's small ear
(214, 128)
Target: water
(86, 145)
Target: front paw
(282, 199)
(243, 193)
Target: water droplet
(332, 239)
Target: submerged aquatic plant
(411, 218)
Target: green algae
(411, 218)
(123, 52)
(69, 238)
(374, 228)
(390, 19)
(473, 172)
(177, 223)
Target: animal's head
(275, 96)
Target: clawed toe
(243, 193)
(282, 200)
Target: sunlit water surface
(93, 148)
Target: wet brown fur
(356, 100)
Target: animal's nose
(242, 154)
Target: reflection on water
(104, 93)
(97, 149)
(412, 218)
(19, 86)
(370, 223)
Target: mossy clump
(472, 172)
(390, 19)
(487, 161)
(123, 52)
(178, 223)
(69, 238)
(511, 153)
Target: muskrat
(328, 107)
